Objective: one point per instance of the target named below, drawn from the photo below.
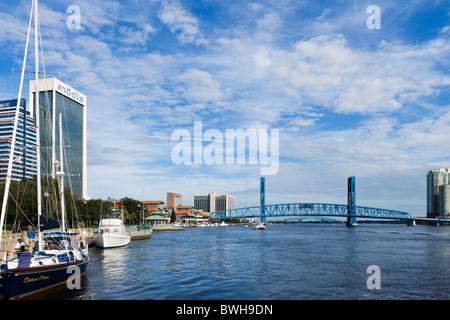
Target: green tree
(133, 209)
(22, 202)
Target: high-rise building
(444, 200)
(24, 159)
(435, 179)
(212, 202)
(225, 202)
(56, 97)
(174, 199)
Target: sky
(330, 88)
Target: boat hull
(21, 283)
(260, 226)
(111, 240)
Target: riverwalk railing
(133, 227)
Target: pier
(139, 232)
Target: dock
(139, 232)
(167, 228)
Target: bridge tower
(262, 202)
(351, 202)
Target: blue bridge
(349, 211)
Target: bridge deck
(312, 209)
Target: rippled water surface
(299, 261)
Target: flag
(16, 160)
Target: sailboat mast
(13, 139)
(61, 176)
(37, 106)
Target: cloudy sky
(346, 99)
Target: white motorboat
(111, 231)
(260, 226)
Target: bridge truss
(349, 211)
(312, 210)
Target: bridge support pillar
(262, 216)
(351, 202)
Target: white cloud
(97, 14)
(200, 86)
(181, 22)
(372, 95)
(325, 71)
(247, 77)
(268, 26)
(12, 28)
(133, 36)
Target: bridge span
(349, 211)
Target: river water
(284, 262)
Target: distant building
(174, 199)
(155, 207)
(24, 159)
(212, 202)
(184, 210)
(435, 179)
(444, 200)
(56, 97)
(188, 214)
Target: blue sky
(347, 100)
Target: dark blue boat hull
(25, 282)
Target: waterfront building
(444, 200)
(168, 210)
(174, 199)
(155, 207)
(435, 179)
(181, 211)
(56, 97)
(24, 164)
(212, 202)
(188, 214)
(157, 220)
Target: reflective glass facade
(221, 203)
(72, 125)
(444, 200)
(202, 203)
(24, 159)
(57, 98)
(435, 179)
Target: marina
(51, 255)
(307, 111)
(309, 261)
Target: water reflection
(282, 262)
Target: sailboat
(59, 256)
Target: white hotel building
(212, 202)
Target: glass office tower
(24, 159)
(56, 98)
(435, 179)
